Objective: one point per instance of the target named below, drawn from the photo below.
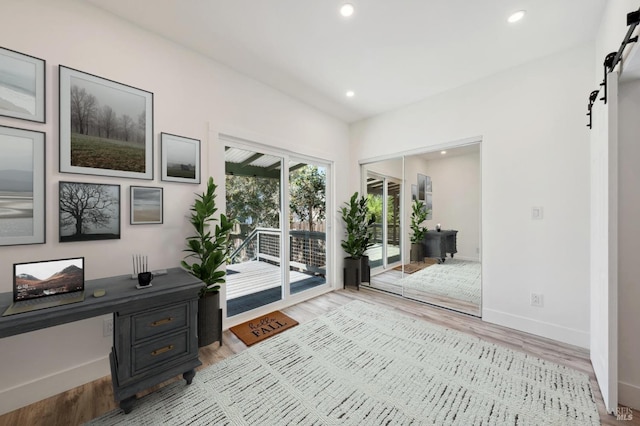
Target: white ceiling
(391, 52)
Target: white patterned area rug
(367, 365)
(455, 278)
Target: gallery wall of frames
(106, 129)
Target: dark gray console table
(155, 329)
(438, 244)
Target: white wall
(194, 97)
(534, 153)
(456, 200)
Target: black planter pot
(365, 274)
(416, 252)
(352, 272)
(209, 320)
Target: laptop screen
(45, 278)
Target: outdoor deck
(254, 284)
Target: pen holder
(144, 279)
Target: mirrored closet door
(443, 266)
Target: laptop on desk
(45, 284)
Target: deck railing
(307, 253)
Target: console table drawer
(159, 351)
(159, 321)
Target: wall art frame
(106, 127)
(88, 211)
(180, 158)
(22, 86)
(22, 187)
(146, 205)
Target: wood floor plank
(88, 401)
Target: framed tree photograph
(22, 187)
(22, 86)
(106, 128)
(89, 211)
(146, 205)
(180, 158)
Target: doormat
(410, 268)
(258, 329)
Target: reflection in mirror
(446, 267)
(383, 191)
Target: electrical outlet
(107, 327)
(537, 300)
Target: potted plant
(359, 235)
(208, 250)
(418, 215)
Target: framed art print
(106, 128)
(22, 86)
(89, 211)
(22, 187)
(146, 205)
(180, 158)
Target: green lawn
(102, 153)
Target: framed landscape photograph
(414, 192)
(22, 86)
(89, 211)
(422, 186)
(146, 205)
(22, 186)
(180, 158)
(106, 128)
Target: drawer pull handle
(162, 350)
(162, 321)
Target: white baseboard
(44, 387)
(629, 395)
(469, 258)
(539, 328)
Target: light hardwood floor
(93, 399)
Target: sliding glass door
(253, 198)
(383, 200)
(275, 252)
(307, 225)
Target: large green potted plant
(208, 250)
(359, 234)
(418, 215)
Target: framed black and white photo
(422, 186)
(22, 186)
(89, 211)
(180, 158)
(106, 128)
(22, 86)
(414, 192)
(428, 187)
(146, 205)
(429, 206)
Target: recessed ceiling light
(516, 16)
(350, 94)
(443, 152)
(347, 10)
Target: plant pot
(209, 320)
(352, 272)
(417, 254)
(365, 274)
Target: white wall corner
(628, 394)
(539, 328)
